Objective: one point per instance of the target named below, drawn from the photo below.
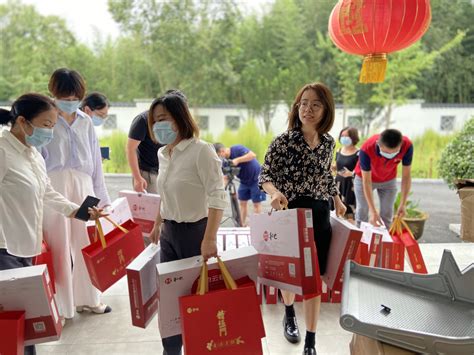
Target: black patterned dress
(304, 176)
(345, 185)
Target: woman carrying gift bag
(74, 165)
(24, 184)
(191, 187)
(297, 173)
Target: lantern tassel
(373, 68)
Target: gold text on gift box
(223, 343)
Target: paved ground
(435, 198)
(114, 334)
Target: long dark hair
(28, 106)
(326, 98)
(175, 102)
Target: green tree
(403, 69)
(451, 78)
(31, 47)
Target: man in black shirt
(142, 155)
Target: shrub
(118, 158)
(457, 160)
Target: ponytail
(6, 117)
(28, 106)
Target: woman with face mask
(24, 183)
(74, 165)
(346, 160)
(191, 187)
(96, 106)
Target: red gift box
(362, 254)
(46, 257)
(344, 243)
(29, 288)
(107, 258)
(271, 295)
(287, 252)
(372, 237)
(336, 296)
(12, 330)
(398, 254)
(143, 286)
(218, 322)
(400, 229)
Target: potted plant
(456, 167)
(414, 217)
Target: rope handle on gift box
(99, 230)
(398, 225)
(203, 286)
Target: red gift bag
(401, 230)
(107, 258)
(46, 257)
(226, 321)
(12, 332)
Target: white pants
(66, 237)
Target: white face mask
(388, 155)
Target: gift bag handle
(203, 286)
(398, 225)
(99, 230)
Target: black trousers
(7, 262)
(179, 241)
(321, 226)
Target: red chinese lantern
(375, 28)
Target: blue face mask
(346, 141)
(68, 106)
(388, 155)
(40, 136)
(97, 120)
(164, 133)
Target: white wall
(413, 118)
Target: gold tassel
(373, 68)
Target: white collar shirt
(24, 191)
(190, 181)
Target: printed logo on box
(269, 236)
(173, 279)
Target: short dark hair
(391, 138)
(218, 147)
(176, 104)
(352, 132)
(95, 101)
(67, 82)
(28, 106)
(326, 98)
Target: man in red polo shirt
(379, 157)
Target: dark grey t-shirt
(147, 150)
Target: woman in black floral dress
(297, 173)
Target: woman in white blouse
(190, 184)
(74, 165)
(24, 185)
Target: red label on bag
(107, 266)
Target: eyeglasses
(314, 106)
